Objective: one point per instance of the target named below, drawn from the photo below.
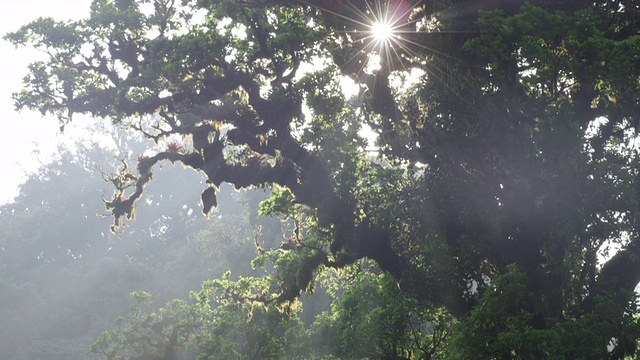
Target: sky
(27, 137)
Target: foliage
(225, 320)
(238, 319)
(154, 335)
(373, 319)
(499, 327)
(247, 325)
(505, 135)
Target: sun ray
(384, 38)
(378, 29)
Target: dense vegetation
(65, 279)
(504, 166)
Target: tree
(64, 277)
(225, 320)
(505, 134)
(372, 319)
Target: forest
(71, 289)
(307, 179)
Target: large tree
(505, 134)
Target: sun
(387, 22)
(382, 31)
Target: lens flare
(382, 31)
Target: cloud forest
(357, 179)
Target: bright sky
(26, 132)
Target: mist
(65, 277)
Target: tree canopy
(487, 160)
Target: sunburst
(379, 28)
(387, 36)
(382, 31)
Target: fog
(65, 277)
